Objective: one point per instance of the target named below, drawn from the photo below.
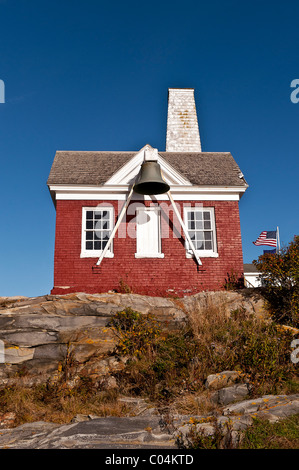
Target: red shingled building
(158, 249)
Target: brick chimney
(182, 126)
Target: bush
(280, 280)
(241, 341)
(135, 331)
(163, 364)
(264, 435)
(158, 361)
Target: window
(200, 223)
(148, 233)
(97, 224)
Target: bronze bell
(150, 179)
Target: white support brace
(184, 229)
(120, 217)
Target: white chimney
(182, 126)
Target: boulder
(230, 394)
(223, 379)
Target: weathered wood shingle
(95, 168)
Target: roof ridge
(97, 151)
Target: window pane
(89, 245)
(89, 215)
(190, 215)
(98, 225)
(97, 235)
(207, 216)
(199, 245)
(89, 235)
(198, 215)
(192, 235)
(97, 245)
(199, 235)
(207, 224)
(98, 215)
(199, 225)
(105, 215)
(208, 245)
(89, 224)
(208, 235)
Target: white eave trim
(117, 192)
(128, 173)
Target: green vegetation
(260, 435)
(135, 332)
(161, 364)
(170, 366)
(265, 435)
(280, 278)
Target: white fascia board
(119, 193)
(131, 169)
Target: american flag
(266, 238)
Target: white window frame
(213, 253)
(159, 254)
(95, 253)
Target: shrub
(264, 435)
(135, 331)
(164, 370)
(241, 341)
(280, 280)
(233, 281)
(164, 363)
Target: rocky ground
(39, 333)
(150, 429)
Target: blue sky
(94, 75)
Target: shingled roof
(95, 168)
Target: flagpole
(277, 240)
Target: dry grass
(195, 405)
(170, 367)
(57, 404)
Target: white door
(148, 233)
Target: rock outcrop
(40, 334)
(149, 430)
